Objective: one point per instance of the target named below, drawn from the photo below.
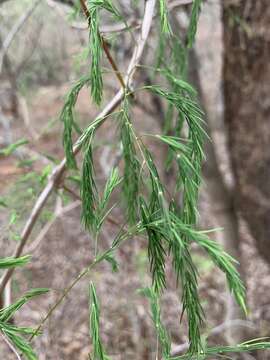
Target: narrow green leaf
(98, 349)
(162, 333)
(95, 51)
(9, 150)
(89, 192)
(9, 262)
(192, 29)
(67, 118)
(132, 165)
(164, 17)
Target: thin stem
(62, 297)
(105, 47)
(96, 244)
(12, 348)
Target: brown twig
(105, 47)
(15, 29)
(12, 348)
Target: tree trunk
(247, 110)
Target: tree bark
(247, 111)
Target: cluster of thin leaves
(226, 351)
(14, 334)
(95, 51)
(132, 164)
(165, 24)
(168, 224)
(196, 7)
(67, 117)
(98, 349)
(163, 336)
(95, 207)
(150, 210)
(96, 43)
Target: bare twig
(176, 3)
(59, 170)
(44, 231)
(7, 296)
(177, 350)
(12, 348)
(26, 117)
(15, 29)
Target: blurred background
(43, 50)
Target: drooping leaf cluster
(95, 52)
(168, 220)
(67, 117)
(226, 351)
(192, 29)
(131, 163)
(165, 24)
(163, 336)
(97, 43)
(16, 335)
(98, 349)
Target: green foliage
(98, 349)
(224, 261)
(156, 249)
(163, 336)
(111, 260)
(10, 262)
(8, 312)
(108, 6)
(186, 271)
(9, 150)
(102, 212)
(89, 192)
(150, 209)
(164, 17)
(192, 114)
(95, 52)
(67, 117)
(94, 208)
(3, 202)
(221, 351)
(16, 334)
(132, 164)
(195, 12)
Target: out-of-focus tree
(247, 110)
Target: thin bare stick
(176, 3)
(44, 231)
(177, 350)
(12, 348)
(15, 29)
(26, 117)
(59, 170)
